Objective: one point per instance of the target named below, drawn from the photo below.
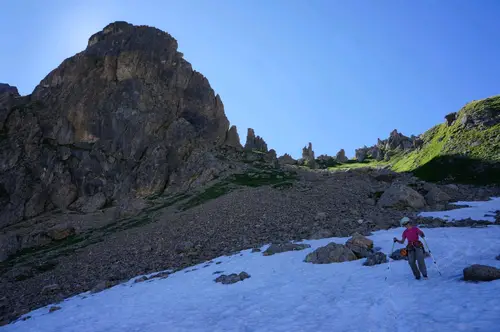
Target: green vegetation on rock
(466, 151)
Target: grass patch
(276, 178)
(210, 193)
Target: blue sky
(339, 74)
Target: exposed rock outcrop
(450, 118)
(232, 138)
(341, 157)
(115, 120)
(308, 156)
(287, 159)
(255, 142)
(396, 142)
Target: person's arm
(420, 232)
(402, 241)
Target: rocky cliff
(116, 120)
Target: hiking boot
(418, 278)
(425, 277)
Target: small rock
(103, 285)
(54, 308)
(284, 247)
(184, 246)
(331, 253)
(232, 278)
(26, 318)
(320, 216)
(218, 272)
(479, 272)
(61, 232)
(141, 279)
(498, 258)
(370, 201)
(50, 289)
(161, 275)
(254, 250)
(321, 234)
(375, 259)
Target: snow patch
(478, 210)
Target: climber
(415, 248)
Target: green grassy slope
(455, 153)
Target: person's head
(405, 222)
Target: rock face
(341, 157)
(332, 253)
(479, 272)
(286, 159)
(308, 156)
(232, 138)
(401, 197)
(255, 142)
(118, 119)
(450, 118)
(397, 142)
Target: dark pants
(416, 256)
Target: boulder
(479, 272)
(284, 247)
(400, 197)
(331, 253)
(360, 245)
(375, 259)
(435, 196)
(232, 278)
(90, 204)
(61, 232)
